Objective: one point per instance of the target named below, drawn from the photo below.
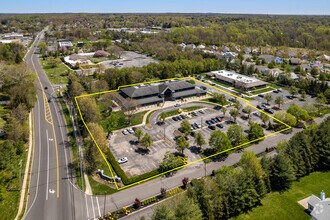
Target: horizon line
(214, 13)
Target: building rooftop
(65, 44)
(235, 76)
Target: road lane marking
(38, 176)
(50, 113)
(98, 206)
(47, 183)
(93, 207)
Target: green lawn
(56, 75)
(219, 83)
(149, 115)
(284, 205)
(258, 91)
(136, 119)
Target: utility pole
(20, 173)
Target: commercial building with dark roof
(149, 94)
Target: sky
(300, 7)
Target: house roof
(313, 200)
(267, 58)
(321, 210)
(155, 89)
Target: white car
(257, 114)
(177, 105)
(130, 130)
(125, 132)
(122, 160)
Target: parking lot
(129, 59)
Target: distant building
(156, 93)
(295, 61)
(319, 208)
(237, 80)
(65, 44)
(267, 58)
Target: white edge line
(98, 206)
(47, 183)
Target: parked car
(259, 107)
(177, 105)
(194, 113)
(268, 110)
(203, 87)
(211, 127)
(218, 119)
(261, 95)
(199, 125)
(213, 121)
(201, 111)
(218, 108)
(290, 97)
(256, 114)
(208, 122)
(193, 134)
(122, 160)
(130, 130)
(125, 132)
(219, 125)
(275, 91)
(175, 118)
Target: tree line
(232, 191)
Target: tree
(185, 127)
(42, 48)
(199, 139)
(112, 123)
(99, 136)
(147, 141)
(235, 135)
(219, 141)
(303, 95)
(255, 131)
(224, 110)
(314, 71)
(99, 86)
(89, 109)
(268, 97)
(163, 212)
(298, 112)
(234, 113)
(247, 110)
(186, 208)
(237, 105)
(53, 62)
(293, 91)
(264, 118)
(281, 173)
(285, 117)
(252, 166)
(170, 161)
(182, 144)
(130, 107)
(220, 98)
(320, 100)
(279, 101)
(138, 133)
(185, 182)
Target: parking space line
(98, 206)
(93, 207)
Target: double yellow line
(49, 119)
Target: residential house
(295, 61)
(267, 58)
(319, 208)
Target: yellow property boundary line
(177, 168)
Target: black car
(290, 97)
(275, 91)
(218, 108)
(213, 121)
(175, 118)
(219, 125)
(268, 110)
(208, 122)
(261, 95)
(259, 107)
(193, 134)
(211, 127)
(46, 87)
(218, 119)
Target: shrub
(137, 204)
